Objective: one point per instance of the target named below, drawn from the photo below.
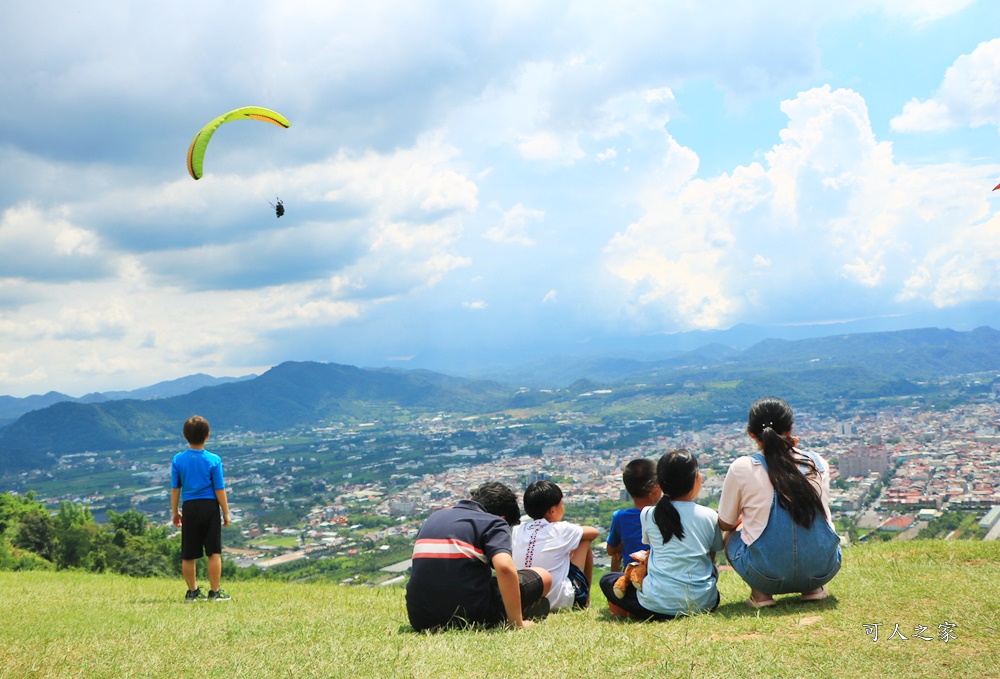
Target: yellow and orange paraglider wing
(196, 151)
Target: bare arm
(727, 526)
(510, 590)
(616, 558)
(220, 495)
(589, 534)
(175, 503)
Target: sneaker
(194, 596)
(220, 595)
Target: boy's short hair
(498, 499)
(639, 477)
(540, 497)
(196, 430)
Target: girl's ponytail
(676, 473)
(770, 422)
(667, 519)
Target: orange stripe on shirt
(433, 548)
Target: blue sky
(464, 177)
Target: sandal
(763, 603)
(815, 595)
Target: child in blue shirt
(683, 538)
(639, 479)
(197, 479)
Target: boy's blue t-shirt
(626, 530)
(198, 473)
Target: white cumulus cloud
(969, 95)
(514, 227)
(831, 216)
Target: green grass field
(283, 541)
(84, 625)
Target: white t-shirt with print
(541, 544)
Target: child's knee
(546, 579)
(582, 554)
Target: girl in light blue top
(683, 538)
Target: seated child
(450, 582)
(683, 538)
(625, 537)
(560, 547)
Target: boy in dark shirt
(451, 584)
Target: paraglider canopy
(196, 152)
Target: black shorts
(531, 592)
(201, 529)
(531, 587)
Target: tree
(36, 533)
(74, 544)
(132, 521)
(70, 514)
(145, 555)
(143, 564)
(13, 507)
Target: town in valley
(356, 493)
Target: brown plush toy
(634, 573)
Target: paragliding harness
(279, 209)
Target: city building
(863, 460)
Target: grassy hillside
(83, 625)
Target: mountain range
(919, 354)
(286, 396)
(305, 394)
(12, 408)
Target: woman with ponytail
(683, 538)
(775, 511)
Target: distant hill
(12, 408)
(178, 387)
(904, 354)
(293, 394)
(286, 396)
(562, 371)
(919, 354)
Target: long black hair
(676, 474)
(770, 421)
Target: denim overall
(787, 557)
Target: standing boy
(560, 547)
(451, 583)
(625, 536)
(196, 474)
